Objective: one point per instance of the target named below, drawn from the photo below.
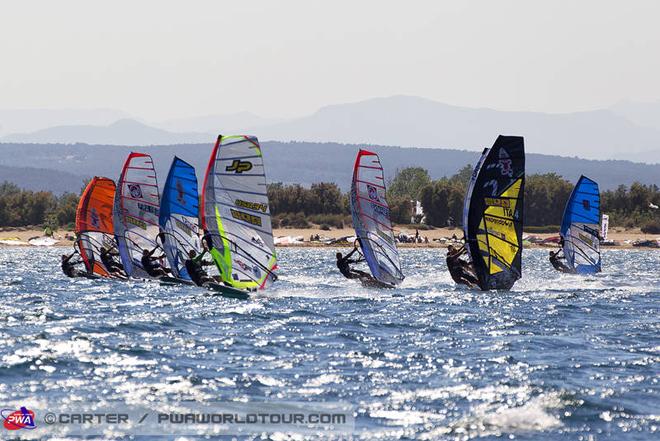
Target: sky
(171, 59)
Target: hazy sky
(162, 59)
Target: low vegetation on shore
(326, 206)
(323, 204)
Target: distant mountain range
(643, 114)
(41, 179)
(628, 131)
(411, 121)
(61, 167)
(30, 120)
(234, 123)
(122, 132)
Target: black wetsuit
(345, 269)
(557, 263)
(109, 262)
(69, 268)
(196, 271)
(459, 270)
(344, 265)
(151, 266)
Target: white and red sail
(137, 206)
(371, 219)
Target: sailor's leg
(361, 274)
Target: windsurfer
(108, 259)
(460, 270)
(556, 258)
(344, 264)
(69, 267)
(195, 267)
(152, 264)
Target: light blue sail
(179, 216)
(580, 228)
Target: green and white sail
(236, 214)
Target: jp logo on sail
(239, 166)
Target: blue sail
(179, 216)
(580, 228)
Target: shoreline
(442, 237)
(300, 238)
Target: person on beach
(69, 267)
(459, 269)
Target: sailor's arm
(71, 255)
(198, 258)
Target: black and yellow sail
(493, 213)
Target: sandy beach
(437, 236)
(299, 237)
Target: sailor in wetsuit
(195, 267)
(556, 261)
(69, 268)
(151, 264)
(108, 259)
(556, 258)
(344, 265)
(460, 270)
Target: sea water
(559, 357)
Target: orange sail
(94, 227)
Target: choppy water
(560, 357)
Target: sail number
(245, 217)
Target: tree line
(442, 201)
(19, 208)
(293, 205)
